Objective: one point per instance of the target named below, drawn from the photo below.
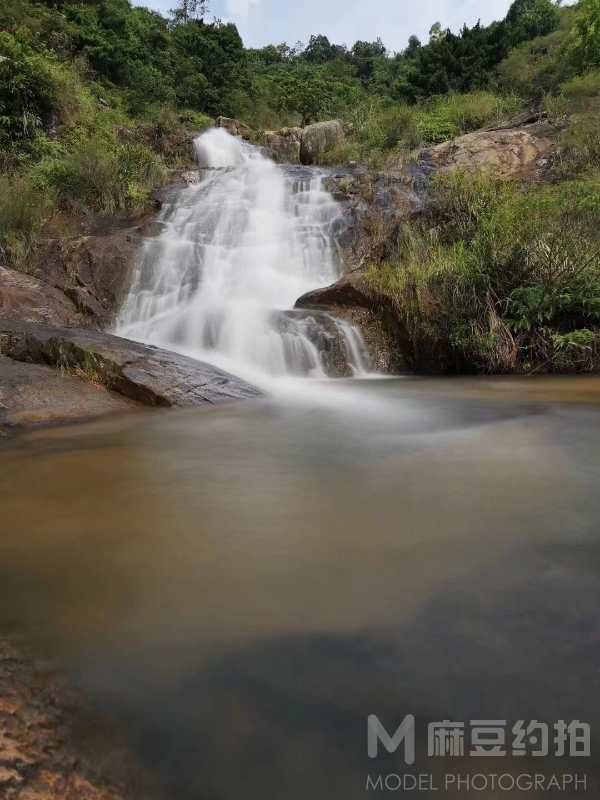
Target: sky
(263, 22)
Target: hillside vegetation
(98, 101)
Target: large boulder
(283, 146)
(147, 375)
(318, 138)
(37, 394)
(234, 127)
(94, 271)
(520, 152)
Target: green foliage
(455, 114)
(97, 177)
(381, 130)
(528, 19)
(584, 50)
(23, 211)
(500, 277)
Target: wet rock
(324, 334)
(43, 755)
(147, 375)
(350, 299)
(94, 271)
(318, 138)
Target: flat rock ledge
(82, 374)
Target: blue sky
(263, 22)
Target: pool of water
(239, 589)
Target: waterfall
(232, 255)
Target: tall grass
(97, 176)
(499, 278)
(23, 211)
(380, 131)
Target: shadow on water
(239, 590)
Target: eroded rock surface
(506, 152)
(318, 138)
(146, 375)
(34, 300)
(33, 394)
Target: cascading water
(233, 255)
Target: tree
(364, 55)
(414, 45)
(189, 9)
(436, 32)
(527, 19)
(306, 93)
(319, 50)
(584, 49)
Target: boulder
(350, 299)
(36, 394)
(234, 126)
(34, 300)
(318, 138)
(94, 271)
(147, 375)
(520, 153)
(283, 146)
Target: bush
(499, 278)
(96, 176)
(450, 116)
(584, 46)
(23, 211)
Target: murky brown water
(239, 589)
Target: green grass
(500, 277)
(383, 133)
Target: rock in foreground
(146, 375)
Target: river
(239, 589)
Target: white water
(233, 253)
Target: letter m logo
(404, 734)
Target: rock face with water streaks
(349, 299)
(121, 372)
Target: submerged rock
(146, 375)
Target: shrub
(98, 176)
(23, 211)
(446, 117)
(499, 277)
